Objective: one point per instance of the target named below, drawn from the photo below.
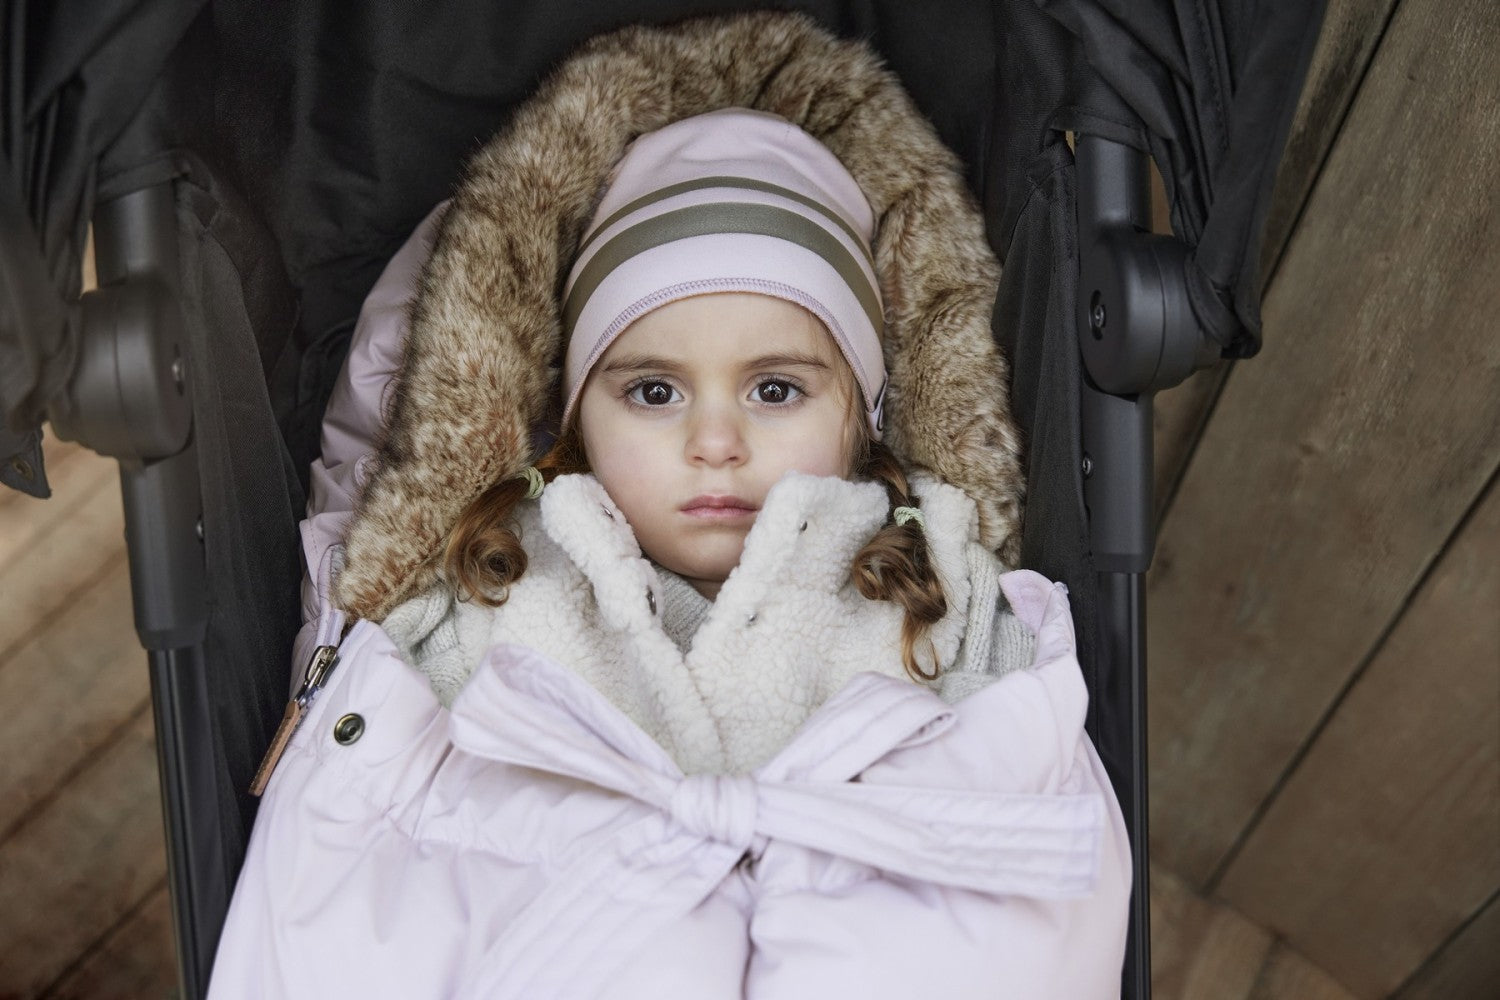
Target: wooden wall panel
(1202, 949)
(1290, 976)
(1179, 416)
(49, 549)
(68, 650)
(74, 685)
(80, 820)
(1199, 950)
(1387, 838)
(1339, 461)
(1468, 966)
(81, 864)
(134, 960)
(1350, 33)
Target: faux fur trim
(480, 361)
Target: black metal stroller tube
(1122, 636)
(130, 399)
(1119, 432)
(1117, 493)
(1127, 308)
(195, 855)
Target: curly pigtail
(895, 565)
(483, 556)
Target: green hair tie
(534, 482)
(904, 514)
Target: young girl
(718, 697)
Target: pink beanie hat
(730, 201)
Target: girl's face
(699, 407)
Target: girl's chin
(704, 571)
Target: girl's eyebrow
(787, 361)
(627, 363)
(640, 362)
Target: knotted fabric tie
(716, 807)
(675, 837)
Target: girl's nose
(716, 437)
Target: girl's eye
(776, 391)
(653, 393)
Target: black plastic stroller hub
(1138, 334)
(1133, 297)
(119, 403)
(129, 399)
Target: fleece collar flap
(787, 630)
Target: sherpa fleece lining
(787, 631)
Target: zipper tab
(317, 672)
(318, 669)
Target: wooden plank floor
(82, 858)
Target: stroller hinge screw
(1087, 466)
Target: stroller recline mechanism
(1137, 334)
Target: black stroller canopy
(1208, 87)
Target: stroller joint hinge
(1136, 323)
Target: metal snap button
(349, 729)
(651, 602)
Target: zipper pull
(318, 669)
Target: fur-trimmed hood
(480, 363)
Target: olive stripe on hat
(713, 219)
(701, 183)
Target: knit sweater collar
(683, 609)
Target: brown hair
(895, 565)
(483, 556)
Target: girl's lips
(719, 508)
